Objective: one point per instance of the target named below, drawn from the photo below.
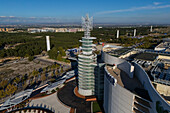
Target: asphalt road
(66, 95)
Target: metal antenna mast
(87, 24)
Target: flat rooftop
(163, 45)
(16, 99)
(166, 39)
(161, 73)
(131, 84)
(147, 56)
(124, 80)
(167, 50)
(118, 52)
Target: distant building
(164, 46)
(72, 52)
(48, 43)
(151, 29)
(117, 33)
(6, 29)
(35, 30)
(134, 32)
(2, 29)
(166, 39)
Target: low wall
(164, 57)
(121, 63)
(154, 95)
(127, 67)
(108, 59)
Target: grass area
(96, 107)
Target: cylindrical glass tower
(86, 61)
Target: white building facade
(48, 42)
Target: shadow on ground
(66, 96)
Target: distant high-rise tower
(134, 32)
(117, 33)
(87, 61)
(151, 29)
(48, 43)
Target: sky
(71, 11)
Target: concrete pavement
(51, 101)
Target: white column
(117, 33)
(151, 29)
(134, 32)
(48, 43)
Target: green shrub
(53, 91)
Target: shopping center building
(127, 88)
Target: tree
(57, 65)
(56, 72)
(3, 83)
(53, 66)
(35, 72)
(2, 54)
(52, 74)
(44, 69)
(26, 55)
(24, 85)
(59, 57)
(53, 53)
(17, 80)
(31, 58)
(43, 77)
(62, 52)
(61, 71)
(10, 89)
(2, 94)
(1, 44)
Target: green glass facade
(86, 63)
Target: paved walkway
(51, 101)
(31, 111)
(67, 96)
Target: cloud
(32, 17)
(157, 3)
(13, 19)
(2, 16)
(7, 16)
(11, 16)
(150, 7)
